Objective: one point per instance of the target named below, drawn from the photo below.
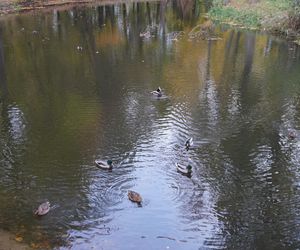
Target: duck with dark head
(104, 165)
(157, 92)
(184, 170)
(188, 144)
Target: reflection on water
(75, 86)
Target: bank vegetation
(276, 16)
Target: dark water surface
(62, 107)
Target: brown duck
(134, 197)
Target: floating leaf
(19, 238)
(33, 245)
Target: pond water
(75, 86)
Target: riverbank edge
(14, 6)
(256, 17)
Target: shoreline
(14, 7)
(276, 17)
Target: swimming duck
(292, 135)
(188, 143)
(104, 165)
(43, 209)
(157, 92)
(134, 197)
(185, 170)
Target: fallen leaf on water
(19, 238)
(33, 245)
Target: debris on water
(175, 35)
(213, 38)
(97, 52)
(45, 39)
(79, 48)
(19, 238)
(41, 245)
(183, 241)
(149, 31)
(34, 32)
(65, 236)
(297, 41)
(33, 245)
(165, 237)
(204, 31)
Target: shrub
(294, 16)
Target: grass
(277, 16)
(232, 15)
(16, 6)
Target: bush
(294, 16)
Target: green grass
(17, 6)
(267, 14)
(246, 18)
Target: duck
(43, 209)
(188, 143)
(135, 197)
(185, 170)
(104, 165)
(157, 92)
(292, 135)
